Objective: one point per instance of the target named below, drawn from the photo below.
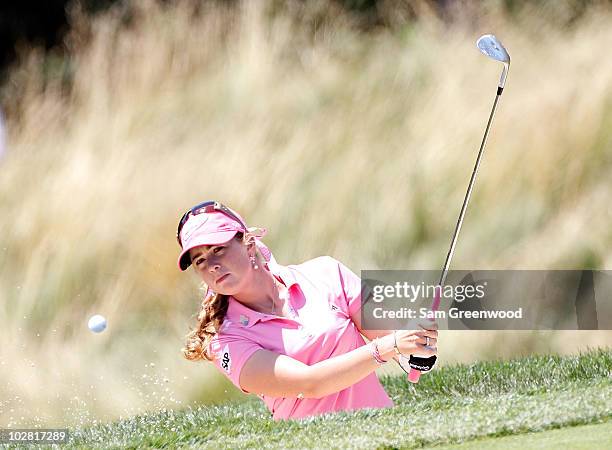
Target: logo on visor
(188, 231)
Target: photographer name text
(452, 313)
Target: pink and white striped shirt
(323, 296)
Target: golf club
(493, 48)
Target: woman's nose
(214, 267)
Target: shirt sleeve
(351, 287)
(230, 353)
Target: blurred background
(346, 128)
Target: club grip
(414, 375)
(419, 365)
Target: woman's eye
(217, 249)
(199, 261)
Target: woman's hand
(414, 342)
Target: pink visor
(206, 229)
(216, 228)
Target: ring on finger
(426, 341)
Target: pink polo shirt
(324, 294)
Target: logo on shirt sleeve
(226, 359)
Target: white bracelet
(395, 343)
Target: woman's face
(225, 268)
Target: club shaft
(466, 200)
(414, 373)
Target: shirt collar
(247, 317)
(284, 273)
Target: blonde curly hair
(210, 318)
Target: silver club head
(493, 48)
(490, 46)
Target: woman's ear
(251, 248)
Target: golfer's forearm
(342, 371)
(373, 334)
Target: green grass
(585, 437)
(449, 406)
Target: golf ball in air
(97, 323)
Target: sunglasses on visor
(206, 207)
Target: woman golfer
(290, 334)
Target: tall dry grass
(354, 145)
